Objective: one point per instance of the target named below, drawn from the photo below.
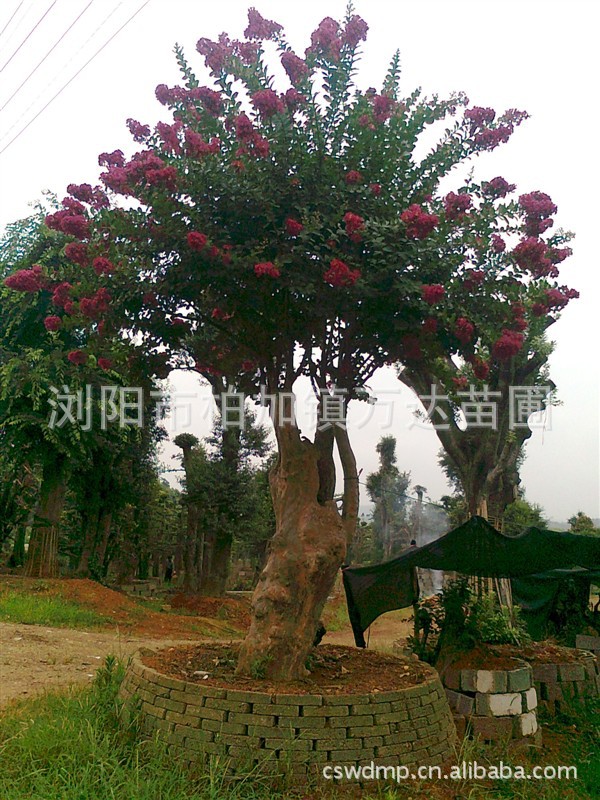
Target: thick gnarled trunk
(305, 554)
(42, 555)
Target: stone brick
(227, 705)
(175, 716)
(223, 727)
(451, 678)
(587, 642)
(240, 741)
(154, 711)
(571, 672)
(251, 719)
(416, 713)
(195, 735)
(373, 741)
(519, 680)
(370, 708)
(354, 755)
(281, 734)
(288, 745)
(380, 697)
(309, 723)
(328, 711)
(207, 713)
(369, 730)
(491, 728)
(490, 681)
(545, 673)
(238, 696)
(189, 698)
(525, 725)
(278, 710)
(498, 705)
(170, 705)
(169, 683)
(400, 749)
(529, 699)
(322, 733)
(299, 699)
(207, 691)
(354, 722)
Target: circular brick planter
(565, 682)
(494, 704)
(294, 733)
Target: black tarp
(475, 548)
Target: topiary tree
(272, 232)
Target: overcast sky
(539, 56)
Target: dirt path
(34, 658)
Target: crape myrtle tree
(282, 224)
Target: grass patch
(34, 609)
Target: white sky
(540, 56)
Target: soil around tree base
(334, 670)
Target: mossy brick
(412, 702)
(368, 730)
(400, 709)
(370, 708)
(286, 734)
(400, 749)
(263, 731)
(162, 724)
(345, 699)
(322, 733)
(287, 745)
(190, 722)
(188, 698)
(400, 737)
(170, 705)
(206, 713)
(590, 668)
(311, 723)
(298, 700)
(195, 735)
(373, 741)
(223, 727)
(571, 672)
(411, 694)
(278, 710)
(239, 741)
(146, 696)
(351, 722)
(169, 683)
(153, 711)
(545, 673)
(519, 680)
(239, 696)
(418, 712)
(352, 755)
(327, 711)
(206, 691)
(251, 719)
(227, 705)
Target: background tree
(582, 523)
(387, 490)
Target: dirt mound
(333, 670)
(233, 609)
(504, 656)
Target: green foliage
(583, 524)
(521, 515)
(490, 623)
(36, 609)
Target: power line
(39, 64)
(79, 71)
(31, 32)
(44, 92)
(13, 15)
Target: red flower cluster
(464, 330)
(259, 27)
(531, 254)
(497, 243)
(375, 189)
(295, 67)
(558, 298)
(70, 220)
(353, 176)
(77, 357)
(472, 279)
(456, 205)
(490, 138)
(461, 382)
(77, 253)
(432, 293)
(294, 99)
(215, 53)
(411, 347)
(267, 268)
(419, 223)
(96, 305)
(508, 345)
(25, 280)
(196, 147)
(481, 369)
(538, 208)
(169, 135)
(355, 31)
(102, 266)
(211, 100)
(197, 241)
(61, 295)
(430, 325)
(293, 227)
(88, 194)
(143, 167)
(139, 132)
(105, 364)
(267, 103)
(498, 187)
(354, 225)
(52, 323)
(339, 274)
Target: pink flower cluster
(497, 243)
(355, 31)
(430, 325)
(267, 103)
(473, 278)
(498, 187)
(531, 254)
(197, 241)
(77, 253)
(432, 293)
(267, 268)
(538, 208)
(103, 266)
(144, 167)
(325, 40)
(419, 224)
(70, 220)
(481, 369)
(259, 27)
(353, 176)
(490, 138)
(105, 364)
(94, 196)
(52, 323)
(95, 306)
(25, 280)
(139, 131)
(294, 99)
(479, 116)
(196, 147)
(339, 274)
(456, 205)
(295, 67)
(77, 357)
(508, 345)
(62, 294)
(383, 107)
(464, 330)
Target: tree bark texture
(42, 555)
